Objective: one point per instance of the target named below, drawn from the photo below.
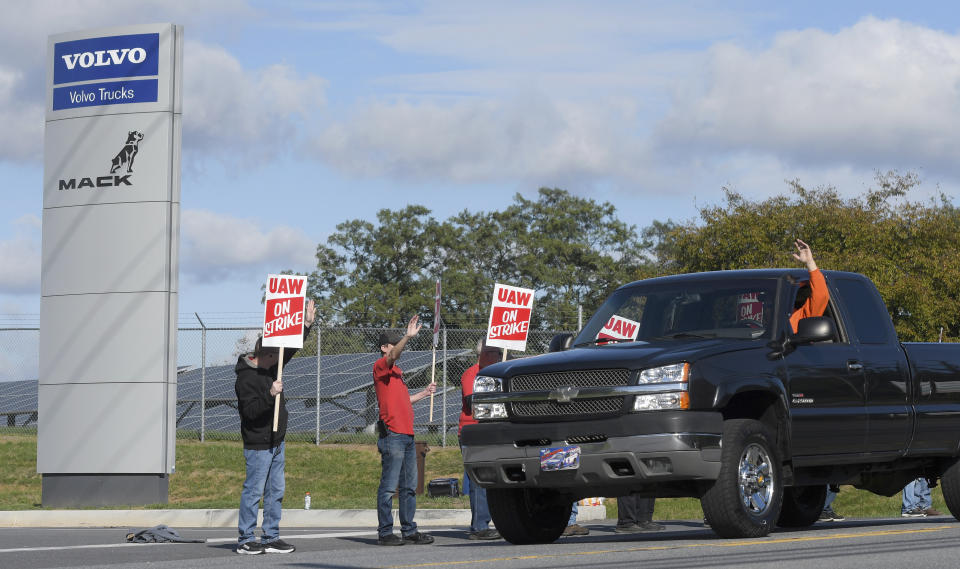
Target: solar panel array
(330, 400)
(342, 384)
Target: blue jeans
(479, 511)
(831, 495)
(573, 514)
(264, 480)
(916, 494)
(398, 463)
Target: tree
(571, 250)
(909, 249)
(377, 275)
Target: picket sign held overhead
(619, 328)
(283, 311)
(283, 321)
(510, 313)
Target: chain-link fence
(18, 378)
(328, 385)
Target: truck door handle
(853, 365)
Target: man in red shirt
(398, 457)
(479, 512)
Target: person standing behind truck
(917, 501)
(479, 512)
(257, 388)
(398, 455)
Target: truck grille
(580, 378)
(602, 406)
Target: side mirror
(560, 342)
(809, 330)
(814, 329)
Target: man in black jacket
(263, 449)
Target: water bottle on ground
(306, 501)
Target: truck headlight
(677, 398)
(485, 384)
(673, 373)
(657, 401)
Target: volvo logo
(564, 394)
(104, 57)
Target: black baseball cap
(390, 337)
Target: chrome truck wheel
(745, 499)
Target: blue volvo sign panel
(109, 93)
(134, 55)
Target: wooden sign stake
(276, 401)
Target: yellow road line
(760, 541)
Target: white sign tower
(108, 312)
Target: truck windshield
(710, 309)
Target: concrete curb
(228, 518)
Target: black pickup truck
(696, 385)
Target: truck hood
(632, 355)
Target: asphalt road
(873, 544)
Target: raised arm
(413, 327)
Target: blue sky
(299, 115)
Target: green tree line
(575, 251)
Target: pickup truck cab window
(734, 309)
(802, 293)
(868, 315)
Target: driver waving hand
(819, 295)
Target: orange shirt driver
(819, 294)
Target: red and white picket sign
(283, 321)
(510, 317)
(619, 328)
(750, 307)
(283, 311)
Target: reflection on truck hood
(633, 355)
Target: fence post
(444, 433)
(203, 377)
(317, 432)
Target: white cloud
(215, 247)
(23, 51)
(21, 117)
(242, 115)
(540, 35)
(879, 94)
(531, 138)
(20, 258)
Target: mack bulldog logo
(128, 153)
(123, 158)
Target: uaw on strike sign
(509, 317)
(283, 311)
(619, 328)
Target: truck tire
(525, 516)
(950, 482)
(801, 506)
(745, 499)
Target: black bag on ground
(443, 487)
(159, 534)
